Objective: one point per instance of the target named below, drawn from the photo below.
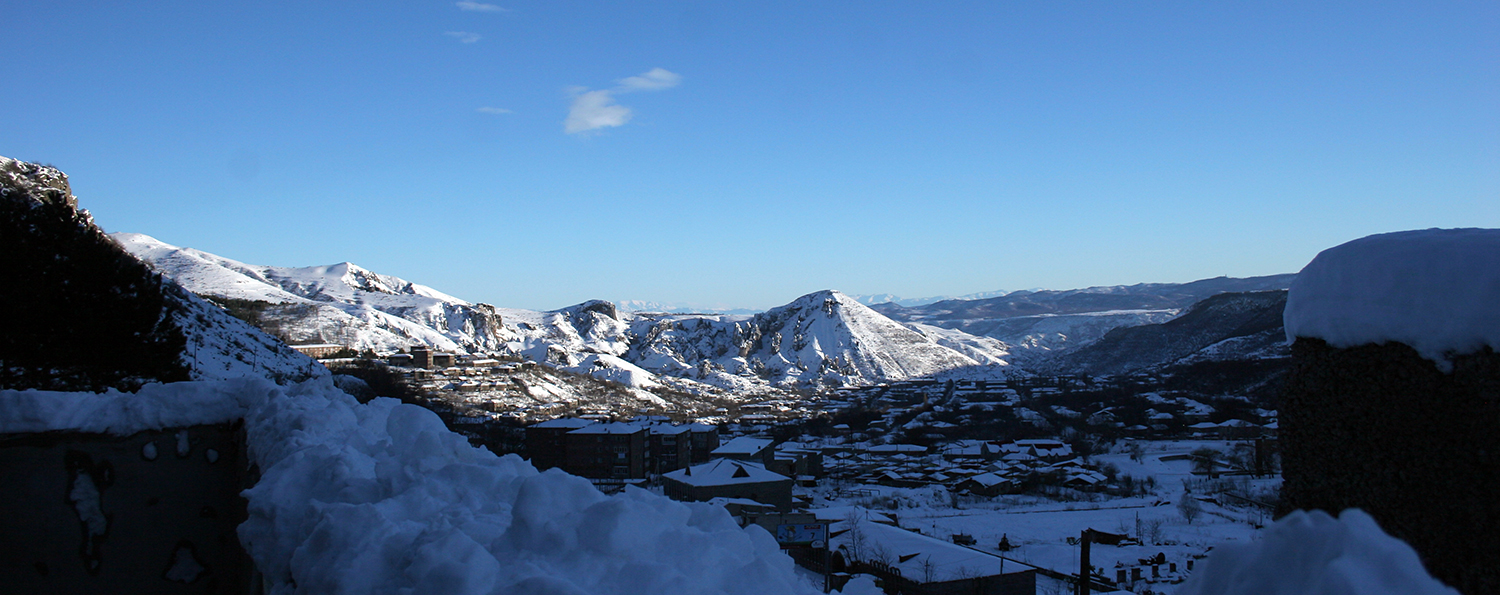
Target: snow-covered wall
(1393, 396)
(381, 497)
(1437, 290)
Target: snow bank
(382, 498)
(156, 406)
(1312, 553)
(1437, 290)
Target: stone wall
(155, 512)
(1379, 428)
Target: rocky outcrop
(82, 314)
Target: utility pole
(1084, 568)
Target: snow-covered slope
(220, 346)
(339, 303)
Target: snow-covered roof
(724, 472)
(661, 429)
(987, 479)
(897, 448)
(610, 428)
(565, 422)
(744, 445)
(1437, 290)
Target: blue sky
(537, 154)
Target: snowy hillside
(220, 346)
(339, 303)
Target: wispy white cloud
(472, 6)
(494, 110)
(592, 110)
(653, 80)
(464, 36)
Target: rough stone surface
(1379, 428)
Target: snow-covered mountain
(823, 338)
(340, 303)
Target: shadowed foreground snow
(382, 498)
(1312, 553)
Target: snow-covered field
(1039, 528)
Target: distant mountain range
(824, 338)
(891, 298)
(1039, 325)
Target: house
(669, 447)
(705, 439)
(1050, 451)
(546, 443)
(729, 478)
(319, 350)
(971, 449)
(607, 451)
(986, 484)
(794, 460)
(917, 564)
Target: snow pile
(115, 413)
(382, 498)
(1437, 290)
(1312, 553)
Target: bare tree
(1189, 507)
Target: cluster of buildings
(971, 467)
(688, 459)
(619, 450)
